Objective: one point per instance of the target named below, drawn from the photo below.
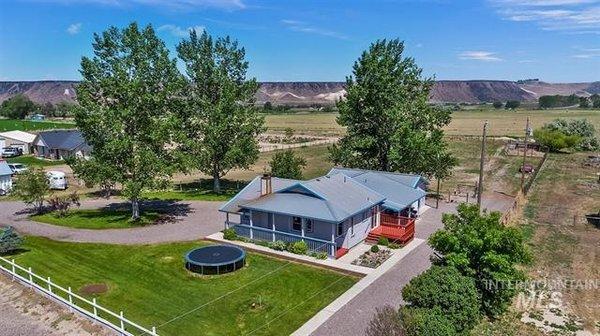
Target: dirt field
(23, 312)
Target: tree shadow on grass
(151, 211)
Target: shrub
(425, 322)
(498, 104)
(383, 241)
(278, 245)
(62, 204)
(582, 128)
(229, 234)
(394, 246)
(461, 244)
(385, 322)
(555, 140)
(445, 288)
(375, 248)
(319, 255)
(286, 164)
(9, 240)
(299, 247)
(512, 104)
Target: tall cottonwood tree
(390, 124)
(219, 123)
(127, 98)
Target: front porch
(315, 245)
(395, 228)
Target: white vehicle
(17, 168)
(57, 180)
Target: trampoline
(215, 259)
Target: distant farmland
(501, 122)
(27, 125)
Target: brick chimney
(265, 185)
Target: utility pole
(480, 184)
(524, 157)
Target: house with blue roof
(332, 213)
(59, 144)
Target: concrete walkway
(192, 220)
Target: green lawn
(99, 219)
(34, 162)
(27, 125)
(197, 191)
(150, 285)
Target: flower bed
(373, 259)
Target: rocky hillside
(307, 93)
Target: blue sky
(318, 40)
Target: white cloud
(74, 28)
(303, 27)
(527, 61)
(485, 56)
(587, 53)
(576, 16)
(178, 31)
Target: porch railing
(393, 220)
(263, 234)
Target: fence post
(70, 299)
(30, 277)
(14, 271)
(122, 323)
(49, 285)
(95, 309)
(154, 331)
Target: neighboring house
(5, 176)
(18, 139)
(332, 213)
(59, 144)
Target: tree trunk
(216, 182)
(135, 209)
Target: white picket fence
(45, 285)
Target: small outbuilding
(18, 139)
(5, 177)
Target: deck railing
(263, 234)
(393, 220)
(76, 302)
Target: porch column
(227, 220)
(378, 216)
(273, 225)
(303, 222)
(251, 225)
(332, 249)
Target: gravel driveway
(193, 220)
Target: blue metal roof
(334, 197)
(397, 195)
(411, 180)
(62, 139)
(328, 198)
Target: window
(296, 223)
(309, 225)
(245, 219)
(340, 228)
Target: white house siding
(5, 182)
(362, 226)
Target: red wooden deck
(395, 228)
